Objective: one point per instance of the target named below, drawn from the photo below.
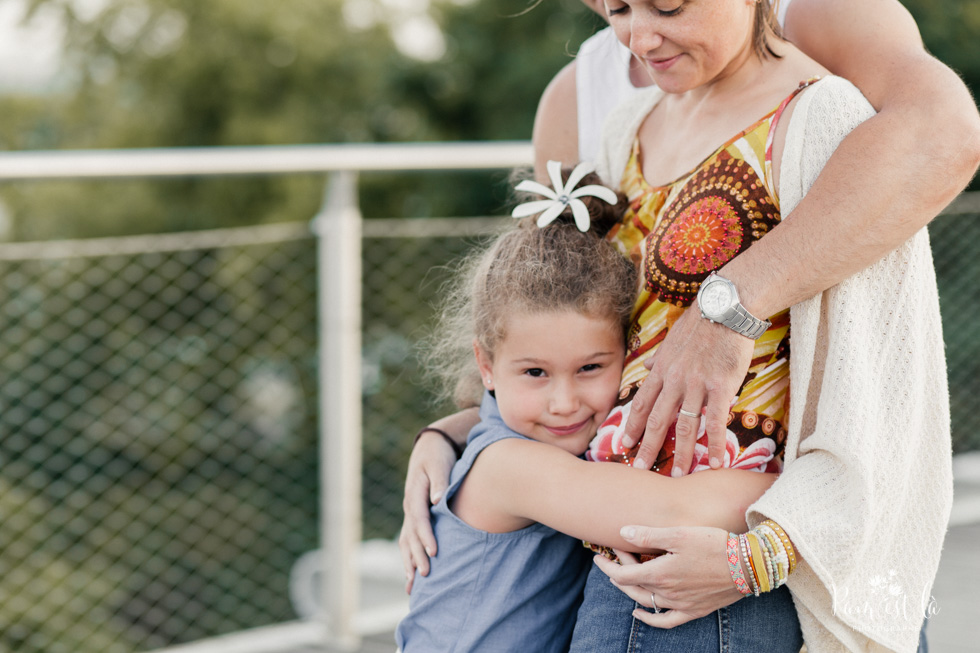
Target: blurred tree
(173, 73)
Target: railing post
(338, 230)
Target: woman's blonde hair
(765, 28)
(527, 269)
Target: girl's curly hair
(528, 269)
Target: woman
(695, 566)
(877, 190)
(857, 376)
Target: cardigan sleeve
(866, 489)
(618, 132)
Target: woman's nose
(644, 32)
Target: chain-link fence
(956, 251)
(158, 450)
(158, 446)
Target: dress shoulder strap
(777, 114)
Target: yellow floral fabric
(676, 235)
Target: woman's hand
(698, 364)
(690, 581)
(429, 466)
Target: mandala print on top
(721, 210)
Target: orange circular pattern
(705, 234)
(749, 419)
(768, 425)
(721, 210)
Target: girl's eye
(535, 372)
(617, 11)
(590, 367)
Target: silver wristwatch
(718, 301)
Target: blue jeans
(605, 623)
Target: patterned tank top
(676, 235)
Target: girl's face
(685, 43)
(556, 375)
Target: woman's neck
(742, 73)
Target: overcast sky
(28, 54)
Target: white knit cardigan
(866, 491)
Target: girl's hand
(429, 466)
(698, 364)
(690, 581)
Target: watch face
(716, 297)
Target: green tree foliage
(178, 73)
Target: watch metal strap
(746, 324)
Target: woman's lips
(567, 430)
(663, 64)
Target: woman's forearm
(889, 178)
(886, 181)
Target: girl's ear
(484, 362)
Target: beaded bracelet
(753, 576)
(458, 450)
(780, 558)
(735, 567)
(784, 538)
(767, 555)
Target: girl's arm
(429, 466)
(514, 483)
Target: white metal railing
(262, 160)
(337, 227)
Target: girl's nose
(564, 400)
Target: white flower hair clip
(562, 196)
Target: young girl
(545, 311)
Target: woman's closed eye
(616, 10)
(619, 10)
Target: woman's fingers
(665, 619)
(692, 578)
(716, 412)
(687, 430)
(697, 364)
(640, 412)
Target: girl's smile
(567, 430)
(555, 375)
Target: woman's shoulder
(827, 110)
(824, 114)
(793, 67)
(832, 90)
